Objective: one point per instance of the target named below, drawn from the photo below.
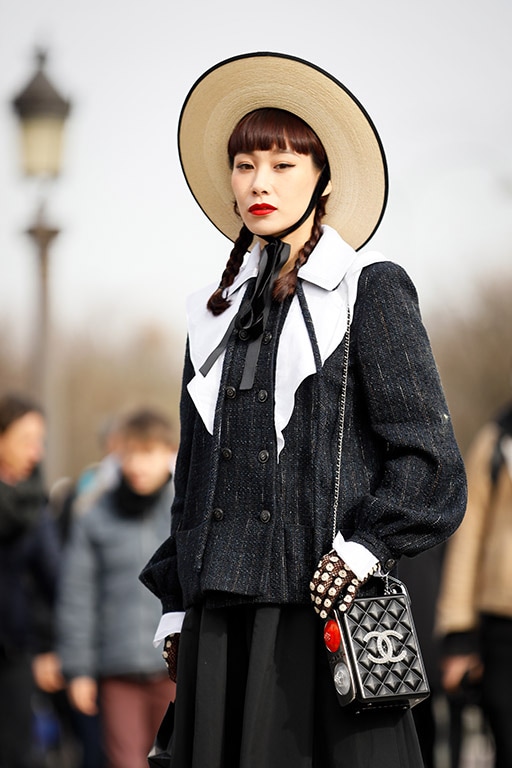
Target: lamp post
(42, 114)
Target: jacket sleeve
(76, 604)
(421, 495)
(160, 575)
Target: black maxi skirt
(255, 691)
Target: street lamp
(42, 114)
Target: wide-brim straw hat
(229, 90)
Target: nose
(36, 452)
(260, 182)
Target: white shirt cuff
(359, 559)
(169, 624)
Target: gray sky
(435, 77)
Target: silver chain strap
(342, 402)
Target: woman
(252, 528)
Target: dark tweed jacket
(246, 527)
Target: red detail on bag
(332, 636)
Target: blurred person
(475, 604)
(104, 474)
(79, 737)
(105, 616)
(28, 575)
(69, 499)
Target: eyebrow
(274, 151)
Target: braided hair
(285, 286)
(218, 302)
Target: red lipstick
(261, 209)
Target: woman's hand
(47, 672)
(83, 694)
(332, 582)
(170, 655)
(455, 668)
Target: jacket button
(263, 456)
(218, 514)
(230, 392)
(389, 564)
(265, 516)
(226, 453)
(267, 337)
(243, 335)
(262, 395)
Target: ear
(328, 188)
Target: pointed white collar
(330, 278)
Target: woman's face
(21, 447)
(272, 190)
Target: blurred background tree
(473, 349)
(100, 380)
(13, 366)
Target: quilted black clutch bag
(373, 650)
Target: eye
(244, 166)
(283, 166)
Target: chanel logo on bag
(385, 646)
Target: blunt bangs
(271, 128)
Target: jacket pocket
(238, 557)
